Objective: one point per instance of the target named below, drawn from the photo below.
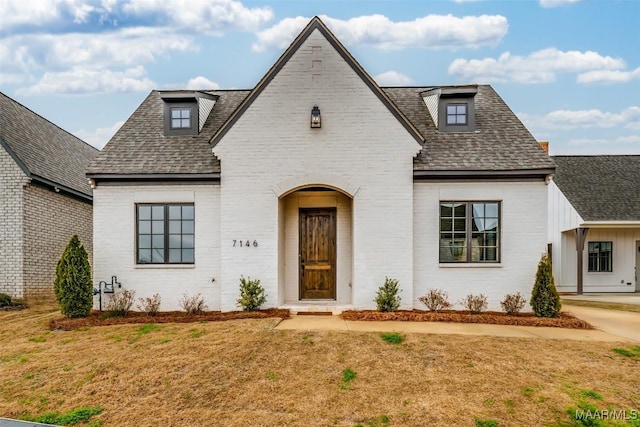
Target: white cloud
(393, 78)
(82, 81)
(541, 66)
(201, 83)
(431, 31)
(609, 76)
(557, 3)
(100, 136)
(207, 16)
(583, 119)
(620, 145)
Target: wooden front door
(317, 253)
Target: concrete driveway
(622, 324)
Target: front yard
(243, 372)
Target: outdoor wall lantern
(315, 117)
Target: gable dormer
(186, 111)
(452, 108)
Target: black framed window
(457, 114)
(180, 118)
(600, 257)
(165, 233)
(469, 232)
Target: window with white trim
(165, 233)
(469, 232)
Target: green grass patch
(392, 337)
(527, 391)
(145, 329)
(485, 423)
(272, 376)
(631, 352)
(590, 394)
(37, 339)
(348, 375)
(381, 421)
(74, 417)
(197, 333)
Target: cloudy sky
(570, 69)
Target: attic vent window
(180, 118)
(456, 114)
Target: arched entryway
(315, 247)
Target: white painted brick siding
(524, 236)
(12, 181)
(271, 147)
(114, 240)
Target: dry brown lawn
(602, 304)
(246, 373)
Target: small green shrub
(513, 303)
(5, 300)
(120, 303)
(193, 305)
(436, 300)
(476, 304)
(387, 298)
(545, 300)
(392, 337)
(73, 287)
(252, 294)
(150, 305)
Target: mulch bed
(98, 318)
(490, 317)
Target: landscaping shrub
(193, 305)
(387, 297)
(252, 294)
(120, 303)
(5, 300)
(476, 304)
(149, 305)
(513, 303)
(436, 300)
(73, 287)
(545, 300)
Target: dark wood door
(318, 253)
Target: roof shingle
(46, 150)
(601, 188)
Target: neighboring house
(320, 183)
(45, 198)
(594, 223)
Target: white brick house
(44, 199)
(320, 183)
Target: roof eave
(483, 174)
(611, 224)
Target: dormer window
(180, 118)
(185, 112)
(456, 114)
(452, 108)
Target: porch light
(315, 117)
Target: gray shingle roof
(601, 188)
(47, 152)
(140, 146)
(500, 143)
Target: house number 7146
(243, 243)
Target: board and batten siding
(523, 232)
(271, 150)
(115, 234)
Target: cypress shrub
(73, 286)
(387, 298)
(545, 300)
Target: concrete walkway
(610, 326)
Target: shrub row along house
(45, 198)
(320, 183)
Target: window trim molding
(192, 105)
(469, 233)
(173, 108)
(466, 113)
(166, 263)
(444, 101)
(599, 254)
